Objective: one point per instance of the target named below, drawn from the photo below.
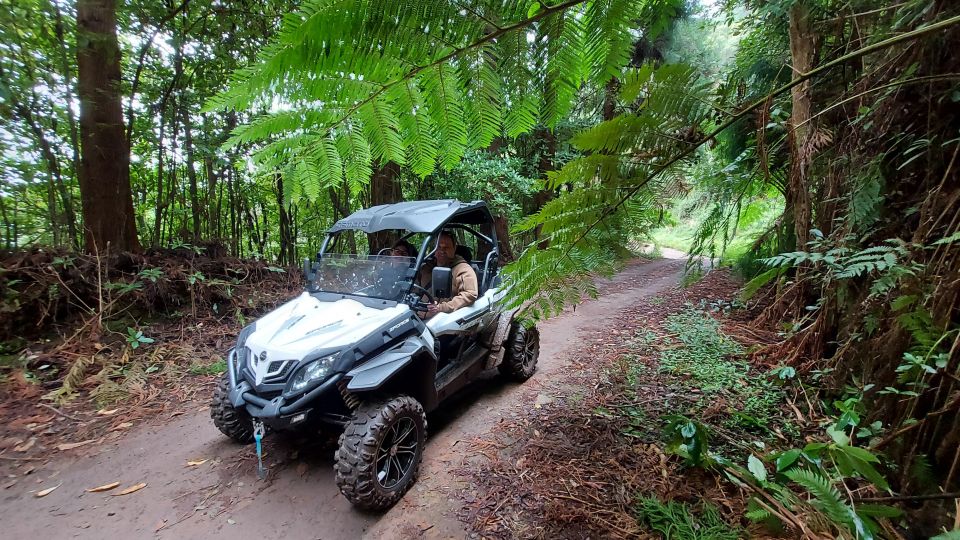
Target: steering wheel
(418, 304)
(385, 251)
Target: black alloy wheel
(397, 453)
(380, 452)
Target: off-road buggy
(353, 350)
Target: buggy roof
(414, 216)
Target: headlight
(315, 371)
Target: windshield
(376, 276)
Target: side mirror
(310, 272)
(306, 270)
(442, 282)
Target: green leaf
(859, 453)
(838, 435)
(787, 459)
(879, 510)
(755, 466)
(535, 7)
(948, 240)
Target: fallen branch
(6, 458)
(900, 498)
(61, 413)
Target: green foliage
(491, 178)
(135, 338)
(609, 195)
(419, 83)
(675, 520)
(819, 470)
(212, 368)
(826, 498)
(688, 439)
(703, 354)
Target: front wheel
(380, 452)
(232, 422)
(523, 350)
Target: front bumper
(280, 411)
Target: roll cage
(428, 218)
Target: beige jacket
(465, 288)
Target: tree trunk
(160, 205)
(69, 214)
(107, 201)
(7, 225)
(287, 253)
(798, 189)
(52, 210)
(191, 172)
(210, 207)
(232, 202)
(545, 164)
(384, 189)
(610, 99)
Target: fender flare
(503, 329)
(372, 374)
(498, 337)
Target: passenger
(402, 248)
(464, 290)
(391, 281)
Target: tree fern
(562, 47)
(357, 156)
(421, 81)
(382, 130)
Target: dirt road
(220, 494)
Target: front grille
(285, 367)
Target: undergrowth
(212, 368)
(675, 520)
(705, 360)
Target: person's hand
(433, 309)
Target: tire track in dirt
(299, 499)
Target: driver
(464, 290)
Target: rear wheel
(380, 452)
(232, 422)
(523, 350)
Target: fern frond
(382, 130)
(356, 156)
(484, 96)
(608, 47)
(416, 128)
(828, 500)
(564, 65)
(422, 81)
(443, 98)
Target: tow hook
(258, 431)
